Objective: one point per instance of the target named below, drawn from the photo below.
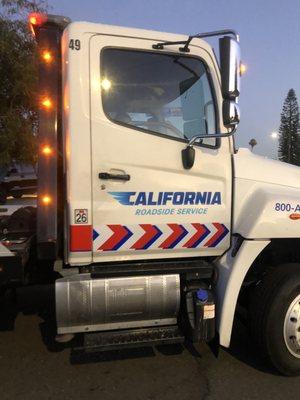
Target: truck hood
(260, 169)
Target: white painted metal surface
(266, 197)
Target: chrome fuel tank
(84, 304)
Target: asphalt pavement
(33, 366)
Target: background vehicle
(140, 187)
(20, 179)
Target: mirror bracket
(231, 113)
(188, 154)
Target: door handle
(116, 177)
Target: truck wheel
(3, 195)
(275, 318)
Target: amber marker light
(46, 150)
(295, 217)
(33, 20)
(37, 19)
(46, 200)
(46, 103)
(47, 56)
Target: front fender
(232, 271)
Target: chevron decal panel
(117, 237)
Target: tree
(18, 80)
(252, 143)
(289, 138)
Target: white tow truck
(141, 188)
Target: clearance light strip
(47, 30)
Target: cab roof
(114, 30)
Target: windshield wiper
(186, 43)
(161, 45)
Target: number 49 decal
(81, 215)
(74, 44)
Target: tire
(17, 196)
(270, 316)
(3, 195)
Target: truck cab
(141, 188)
(130, 111)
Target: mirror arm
(219, 33)
(188, 154)
(217, 135)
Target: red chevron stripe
(201, 229)
(150, 232)
(119, 233)
(220, 230)
(177, 231)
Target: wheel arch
(232, 270)
(247, 261)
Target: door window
(169, 95)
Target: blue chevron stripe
(184, 233)
(221, 237)
(201, 238)
(95, 234)
(124, 240)
(151, 241)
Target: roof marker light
(33, 20)
(37, 19)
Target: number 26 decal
(81, 216)
(74, 44)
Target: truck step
(114, 340)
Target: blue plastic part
(202, 295)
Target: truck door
(145, 105)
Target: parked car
(20, 179)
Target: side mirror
(188, 157)
(230, 62)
